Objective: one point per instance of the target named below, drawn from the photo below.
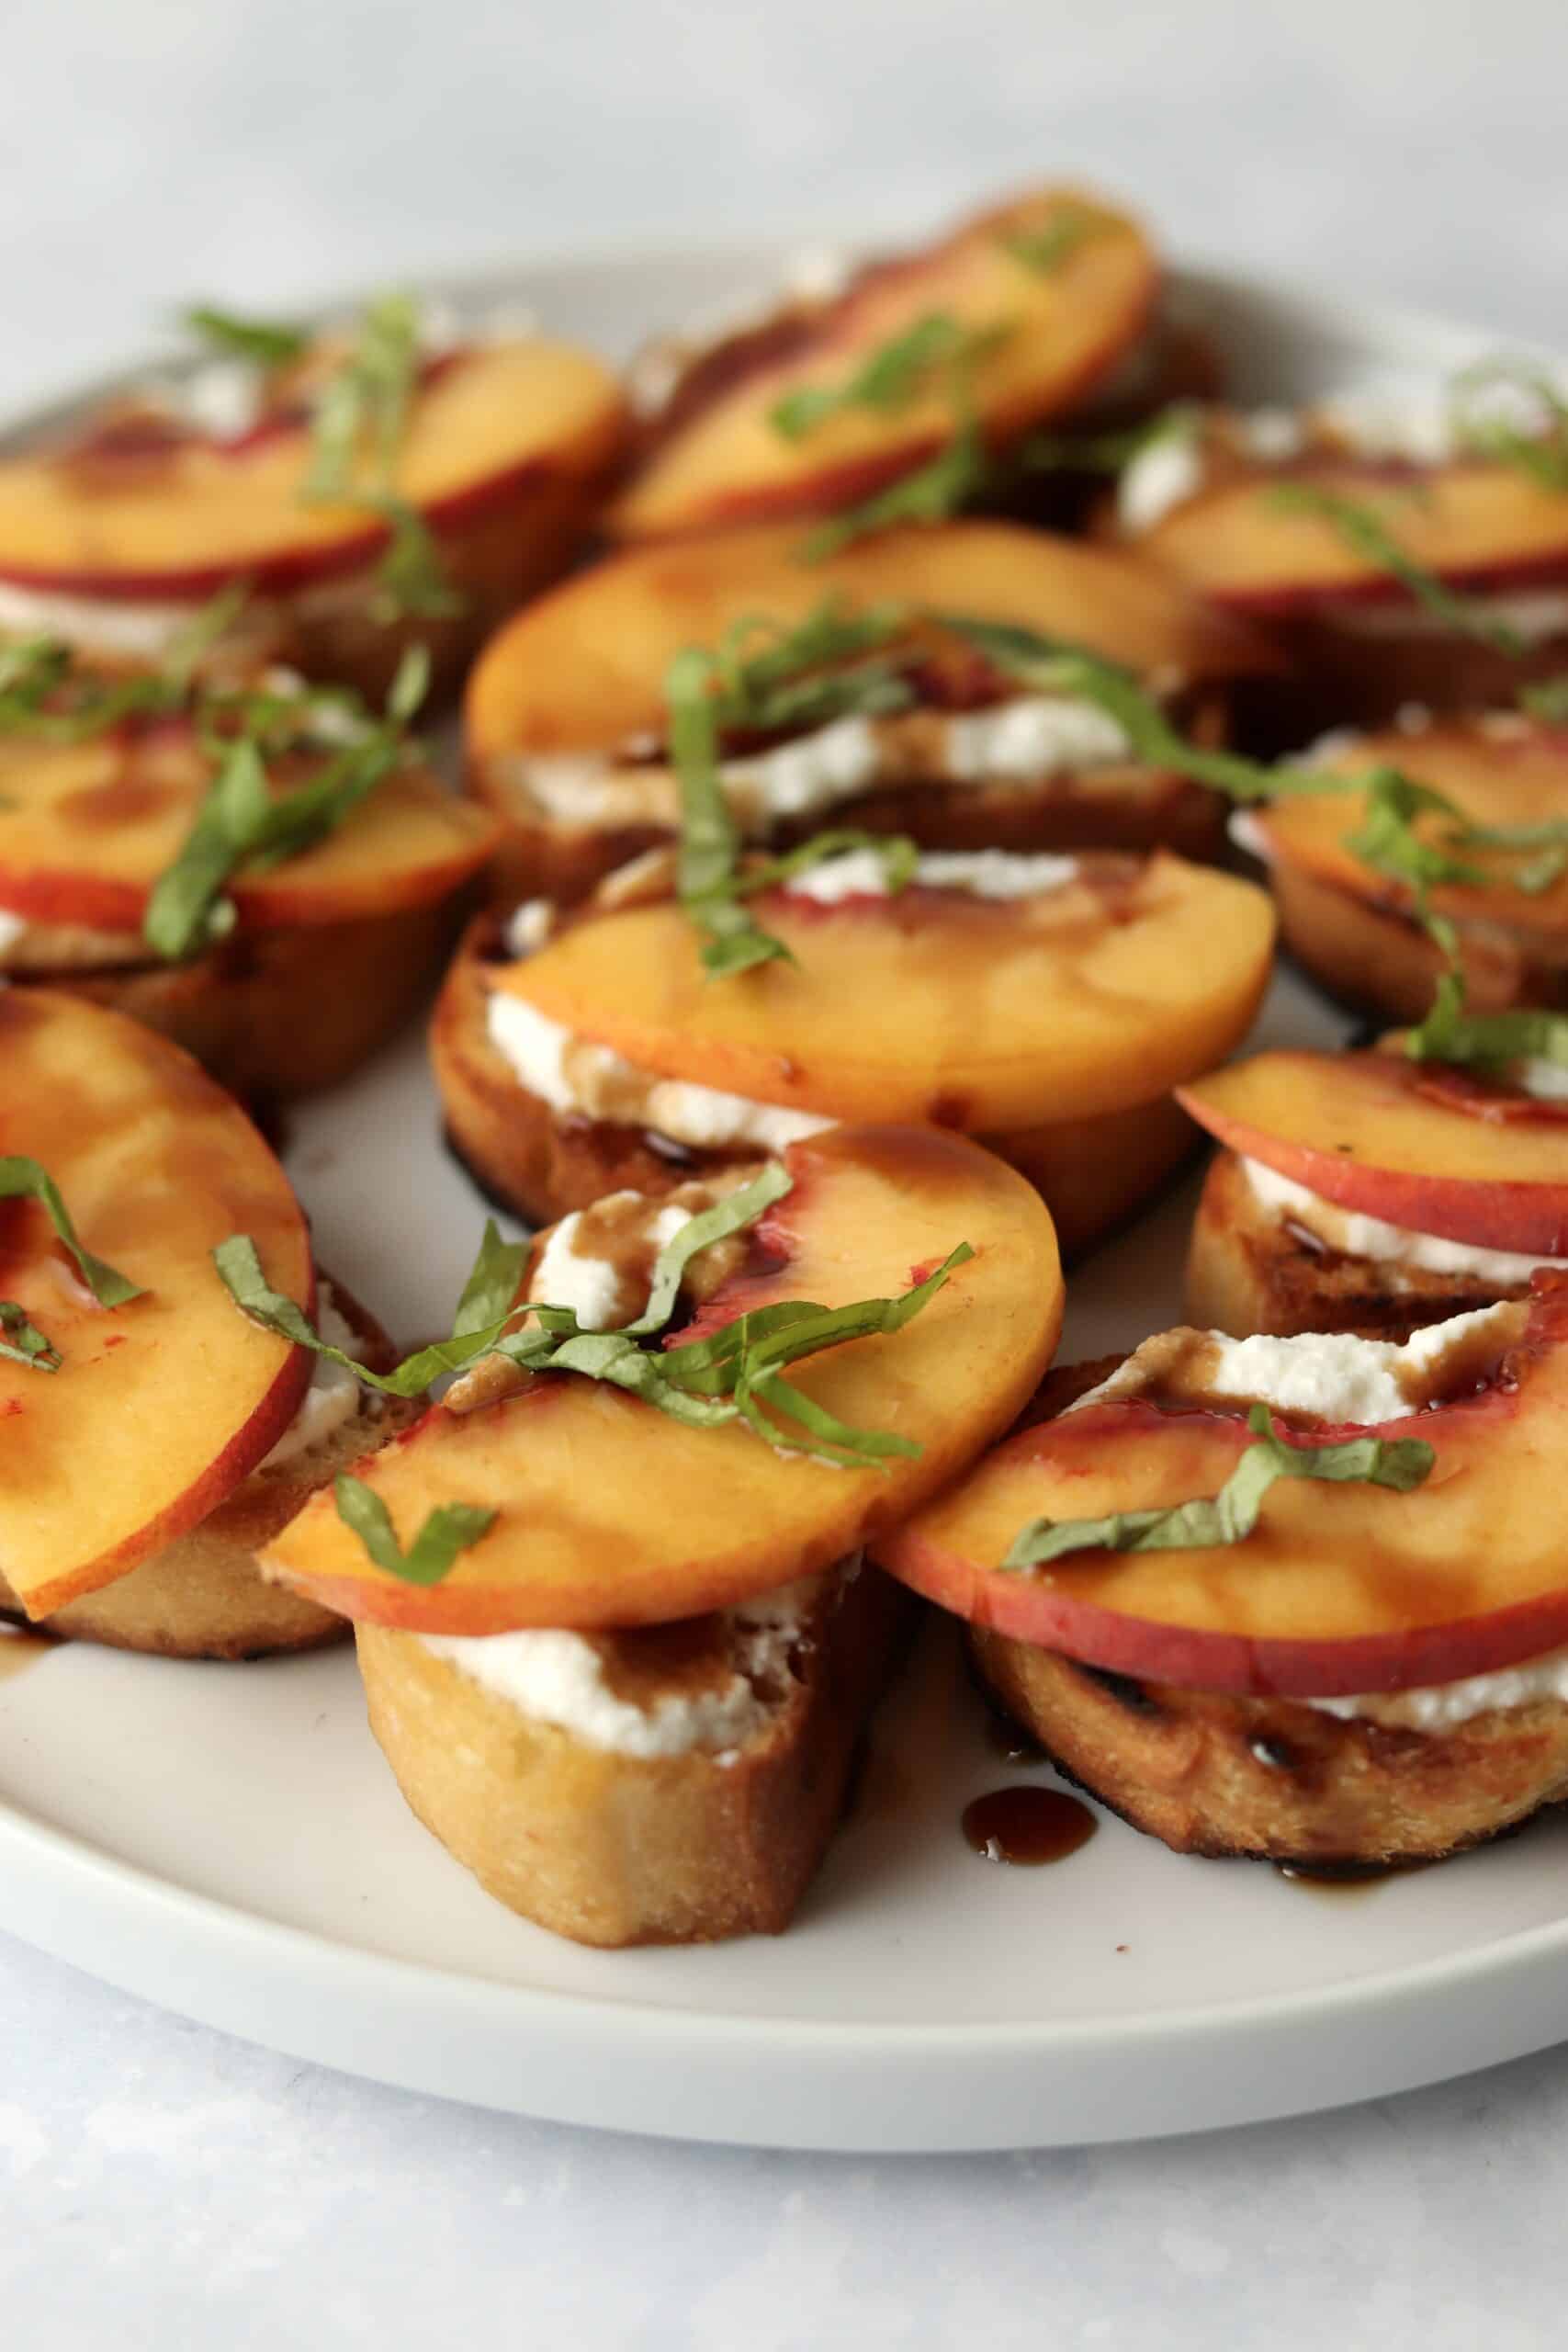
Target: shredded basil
(448, 1530)
(1230, 1516)
(25, 1179)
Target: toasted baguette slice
(270, 1013)
(202, 1597)
(1250, 1269)
(615, 1848)
(1211, 1773)
(540, 1163)
(1377, 960)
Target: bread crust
(202, 1597)
(1377, 960)
(1250, 1270)
(541, 1164)
(283, 1012)
(613, 1849)
(1211, 1772)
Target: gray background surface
(161, 2186)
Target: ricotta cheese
(1439, 1706)
(1548, 1082)
(573, 1075)
(982, 874)
(1332, 1375)
(12, 928)
(831, 763)
(559, 1679)
(1372, 1236)
(334, 1395)
(1166, 471)
(1534, 615)
(1273, 436)
(1033, 736)
(591, 1286)
(529, 926)
(141, 632)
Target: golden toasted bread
(1210, 1772)
(202, 1596)
(1251, 1268)
(615, 1848)
(541, 1163)
(270, 1013)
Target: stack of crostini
(897, 727)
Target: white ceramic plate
(227, 1841)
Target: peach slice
(1384, 1136)
(981, 1014)
(726, 462)
(482, 428)
(1477, 524)
(87, 828)
(1504, 770)
(161, 1407)
(611, 1514)
(1340, 1588)
(583, 668)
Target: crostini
(1374, 1193)
(1401, 547)
(152, 1439)
(885, 395)
(855, 701)
(628, 1695)
(391, 482)
(269, 875)
(1299, 1598)
(1463, 819)
(1043, 1004)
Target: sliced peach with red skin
(1340, 1588)
(1066, 326)
(1394, 1139)
(583, 668)
(1484, 527)
(479, 431)
(87, 828)
(610, 1513)
(160, 1406)
(982, 1014)
(1507, 771)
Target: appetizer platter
(723, 1410)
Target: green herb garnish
(1543, 455)
(265, 343)
(923, 358)
(25, 1179)
(736, 1373)
(1230, 1516)
(1547, 700)
(773, 679)
(1366, 533)
(26, 1345)
(362, 409)
(448, 1530)
(1056, 666)
(1043, 250)
(243, 824)
(710, 881)
(1387, 841)
(946, 483)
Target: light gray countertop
(164, 2185)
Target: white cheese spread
(12, 929)
(1030, 738)
(591, 1286)
(573, 1075)
(1331, 1375)
(981, 873)
(529, 926)
(1372, 1236)
(104, 623)
(559, 1679)
(1535, 616)
(334, 1395)
(1166, 471)
(1439, 1706)
(1548, 1082)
